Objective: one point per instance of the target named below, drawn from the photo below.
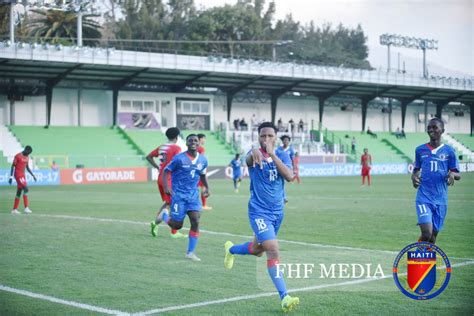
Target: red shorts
(365, 171)
(200, 184)
(164, 197)
(21, 181)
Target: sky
(451, 22)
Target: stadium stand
(4, 164)
(406, 145)
(465, 139)
(381, 151)
(78, 146)
(217, 152)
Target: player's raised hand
(416, 179)
(269, 147)
(450, 178)
(206, 193)
(257, 157)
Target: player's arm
(206, 191)
(370, 160)
(254, 157)
(415, 178)
(150, 159)
(29, 170)
(165, 182)
(286, 172)
(453, 173)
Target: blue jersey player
(267, 170)
(436, 167)
(236, 166)
(286, 147)
(186, 169)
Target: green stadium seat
(465, 139)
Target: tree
(61, 27)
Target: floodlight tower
(409, 42)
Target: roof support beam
(364, 103)
(184, 84)
(472, 117)
(50, 83)
(274, 95)
(322, 97)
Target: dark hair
(191, 135)
(172, 133)
(237, 156)
(28, 149)
(437, 119)
(285, 136)
(200, 136)
(267, 124)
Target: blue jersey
(236, 167)
(435, 163)
(290, 150)
(267, 185)
(185, 173)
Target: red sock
(17, 202)
(25, 200)
(174, 231)
(203, 200)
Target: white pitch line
(302, 243)
(64, 302)
(267, 294)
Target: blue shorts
(181, 206)
(237, 176)
(265, 225)
(431, 213)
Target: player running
(20, 163)
(439, 168)
(366, 163)
(165, 154)
(201, 150)
(186, 169)
(236, 165)
(267, 170)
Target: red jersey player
(202, 151)
(296, 170)
(366, 162)
(20, 163)
(165, 154)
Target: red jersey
(296, 161)
(365, 160)
(201, 150)
(20, 162)
(165, 153)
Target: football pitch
(88, 250)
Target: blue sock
(193, 240)
(279, 282)
(242, 249)
(165, 217)
(235, 184)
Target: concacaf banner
(349, 169)
(103, 175)
(43, 177)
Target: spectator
(398, 134)
(369, 132)
(353, 145)
(402, 134)
(243, 125)
(291, 126)
(54, 166)
(301, 126)
(236, 124)
(280, 126)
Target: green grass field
(91, 245)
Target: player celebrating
(201, 150)
(268, 170)
(439, 168)
(20, 163)
(366, 163)
(165, 154)
(186, 170)
(236, 172)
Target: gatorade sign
(103, 175)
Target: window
(125, 105)
(193, 107)
(149, 106)
(137, 105)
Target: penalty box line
(302, 243)
(267, 294)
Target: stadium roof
(45, 67)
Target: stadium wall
(96, 110)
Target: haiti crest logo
(421, 271)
